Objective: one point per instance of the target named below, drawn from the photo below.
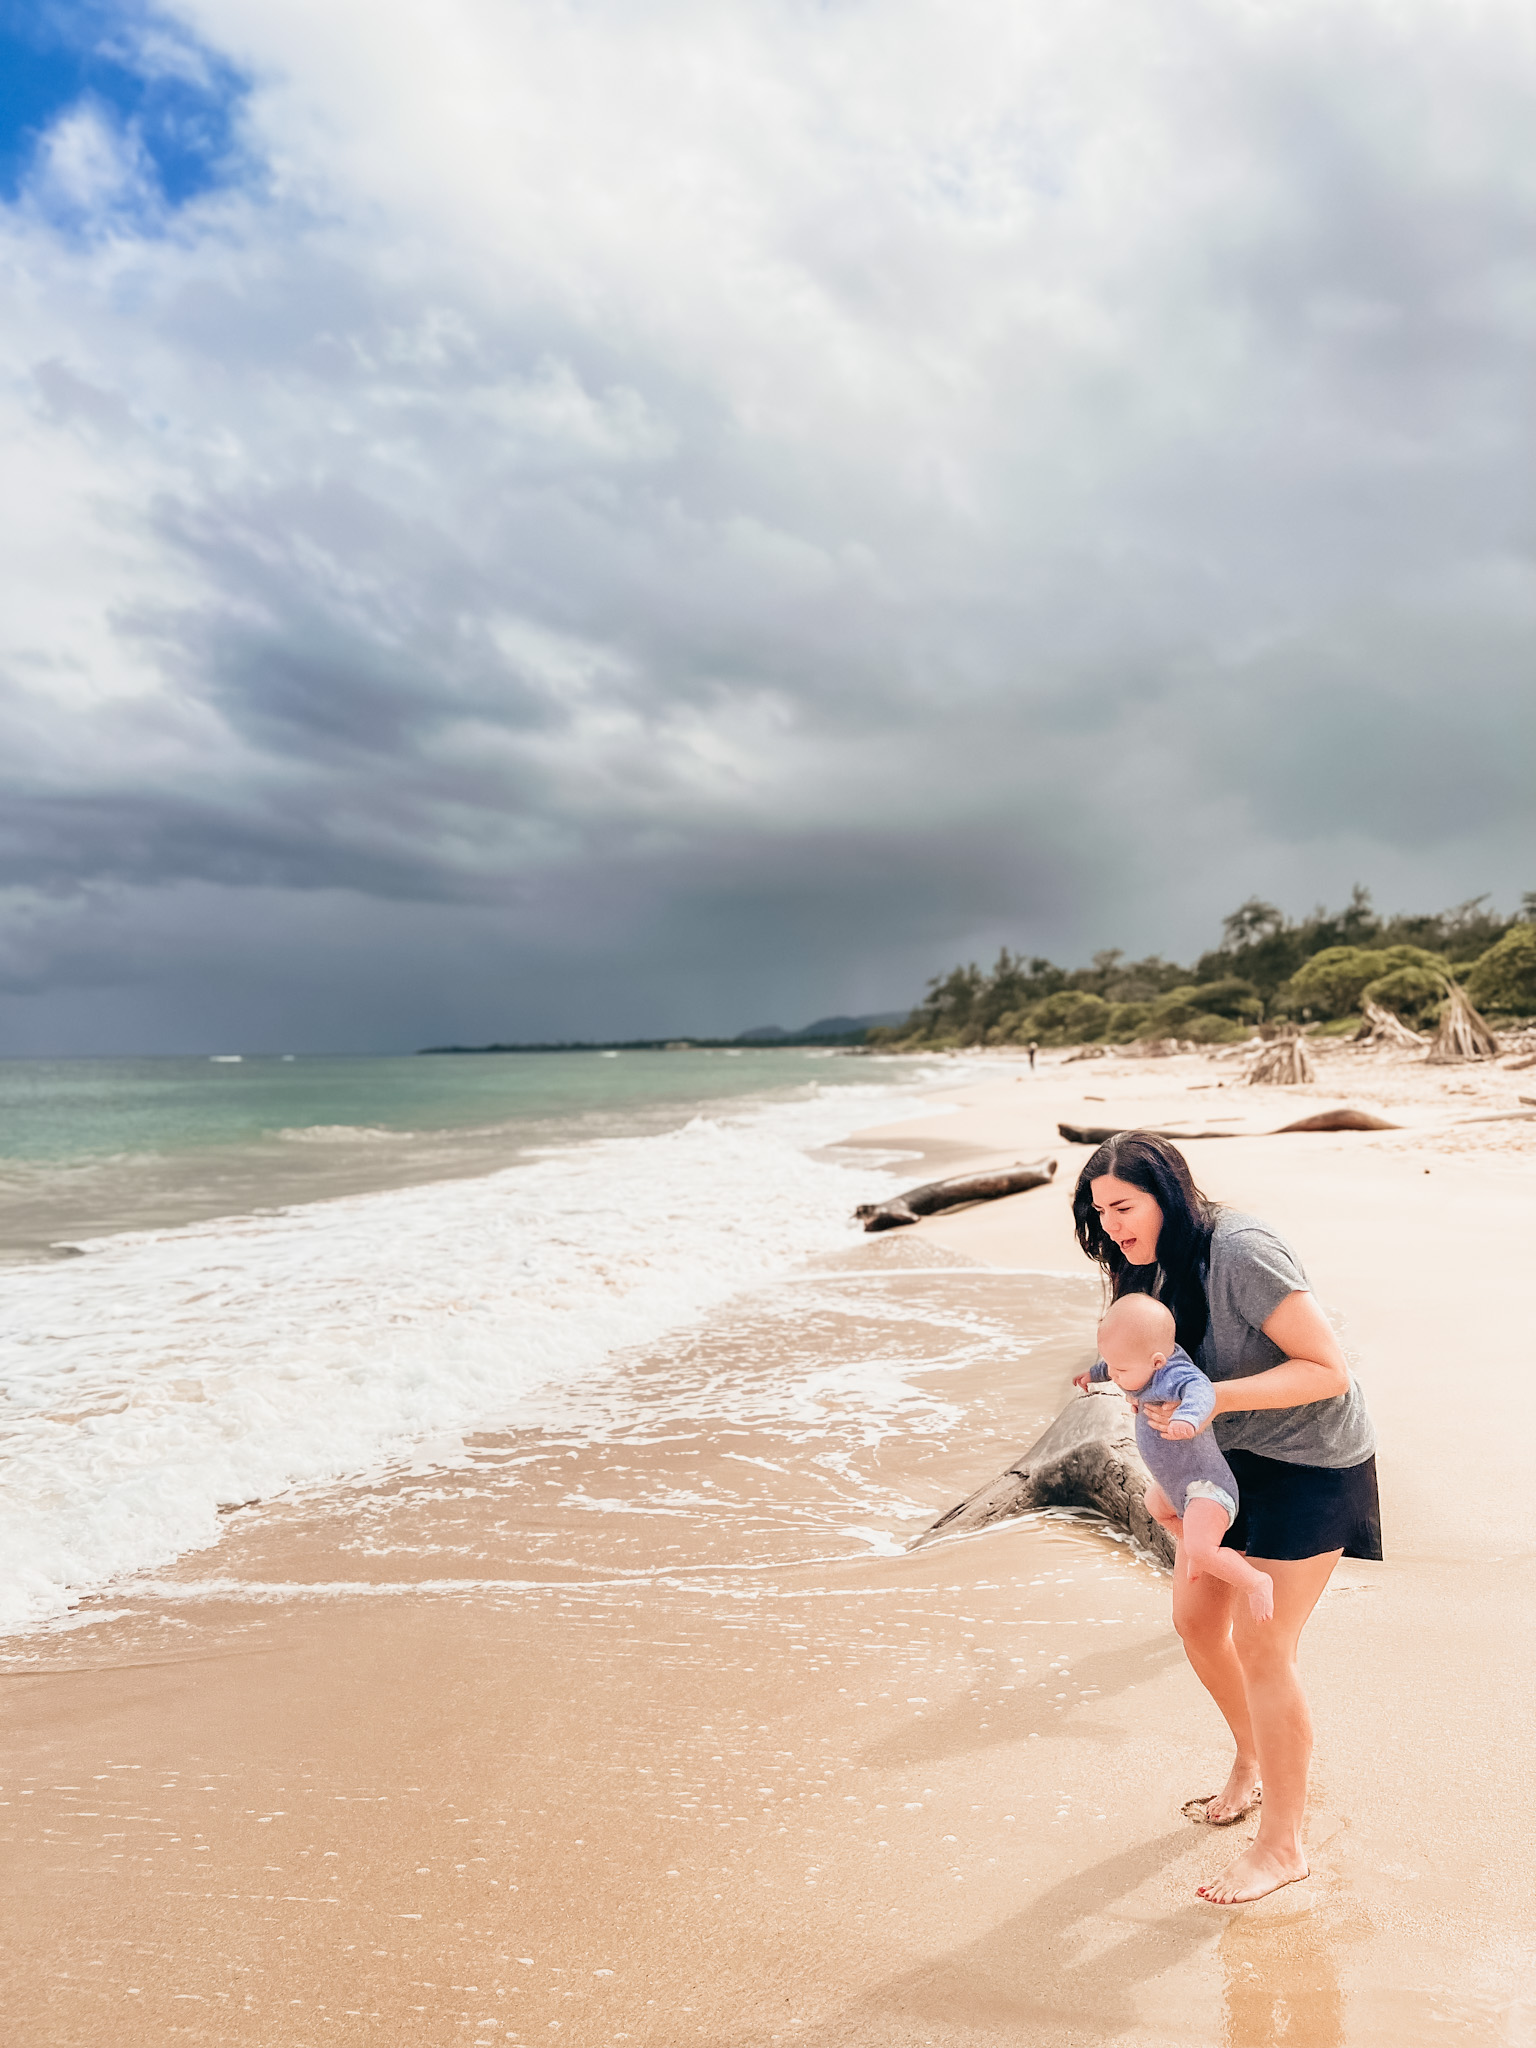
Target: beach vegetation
(1073, 1016)
(1127, 1021)
(1262, 945)
(1333, 983)
(1232, 998)
(1203, 1029)
(1016, 1001)
(1504, 979)
(1317, 970)
(1413, 993)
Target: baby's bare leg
(1205, 1523)
(1161, 1509)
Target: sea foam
(168, 1373)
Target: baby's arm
(1196, 1397)
(1094, 1376)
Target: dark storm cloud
(591, 544)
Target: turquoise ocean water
(93, 1146)
(224, 1279)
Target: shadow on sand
(1014, 1717)
(1071, 1971)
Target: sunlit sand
(648, 1729)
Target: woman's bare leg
(1202, 1614)
(1205, 1523)
(1282, 1727)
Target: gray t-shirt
(1251, 1273)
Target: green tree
(1258, 946)
(945, 1011)
(1412, 993)
(1072, 1016)
(1504, 979)
(1461, 934)
(1184, 1013)
(1332, 982)
(1230, 997)
(1251, 922)
(1126, 1021)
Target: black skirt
(1293, 1511)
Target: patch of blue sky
(166, 104)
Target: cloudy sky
(555, 517)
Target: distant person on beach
(1034, 1047)
(1292, 1424)
(1194, 1490)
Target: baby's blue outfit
(1193, 1466)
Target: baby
(1194, 1494)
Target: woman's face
(1130, 1216)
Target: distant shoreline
(852, 1042)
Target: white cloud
(88, 163)
(631, 461)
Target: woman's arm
(1313, 1368)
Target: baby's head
(1135, 1338)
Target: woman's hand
(1161, 1413)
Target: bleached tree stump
(1462, 1034)
(1379, 1026)
(1284, 1062)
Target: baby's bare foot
(1255, 1874)
(1261, 1598)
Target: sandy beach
(652, 1730)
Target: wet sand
(644, 1728)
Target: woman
(1292, 1424)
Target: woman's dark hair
(1178, 1276)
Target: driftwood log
(1100, 1134)
(1086, 1459)
(1338, 1120)
(949, 1194)
(1325, 1120)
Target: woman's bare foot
(1238, 1797)
(1255, 1874)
